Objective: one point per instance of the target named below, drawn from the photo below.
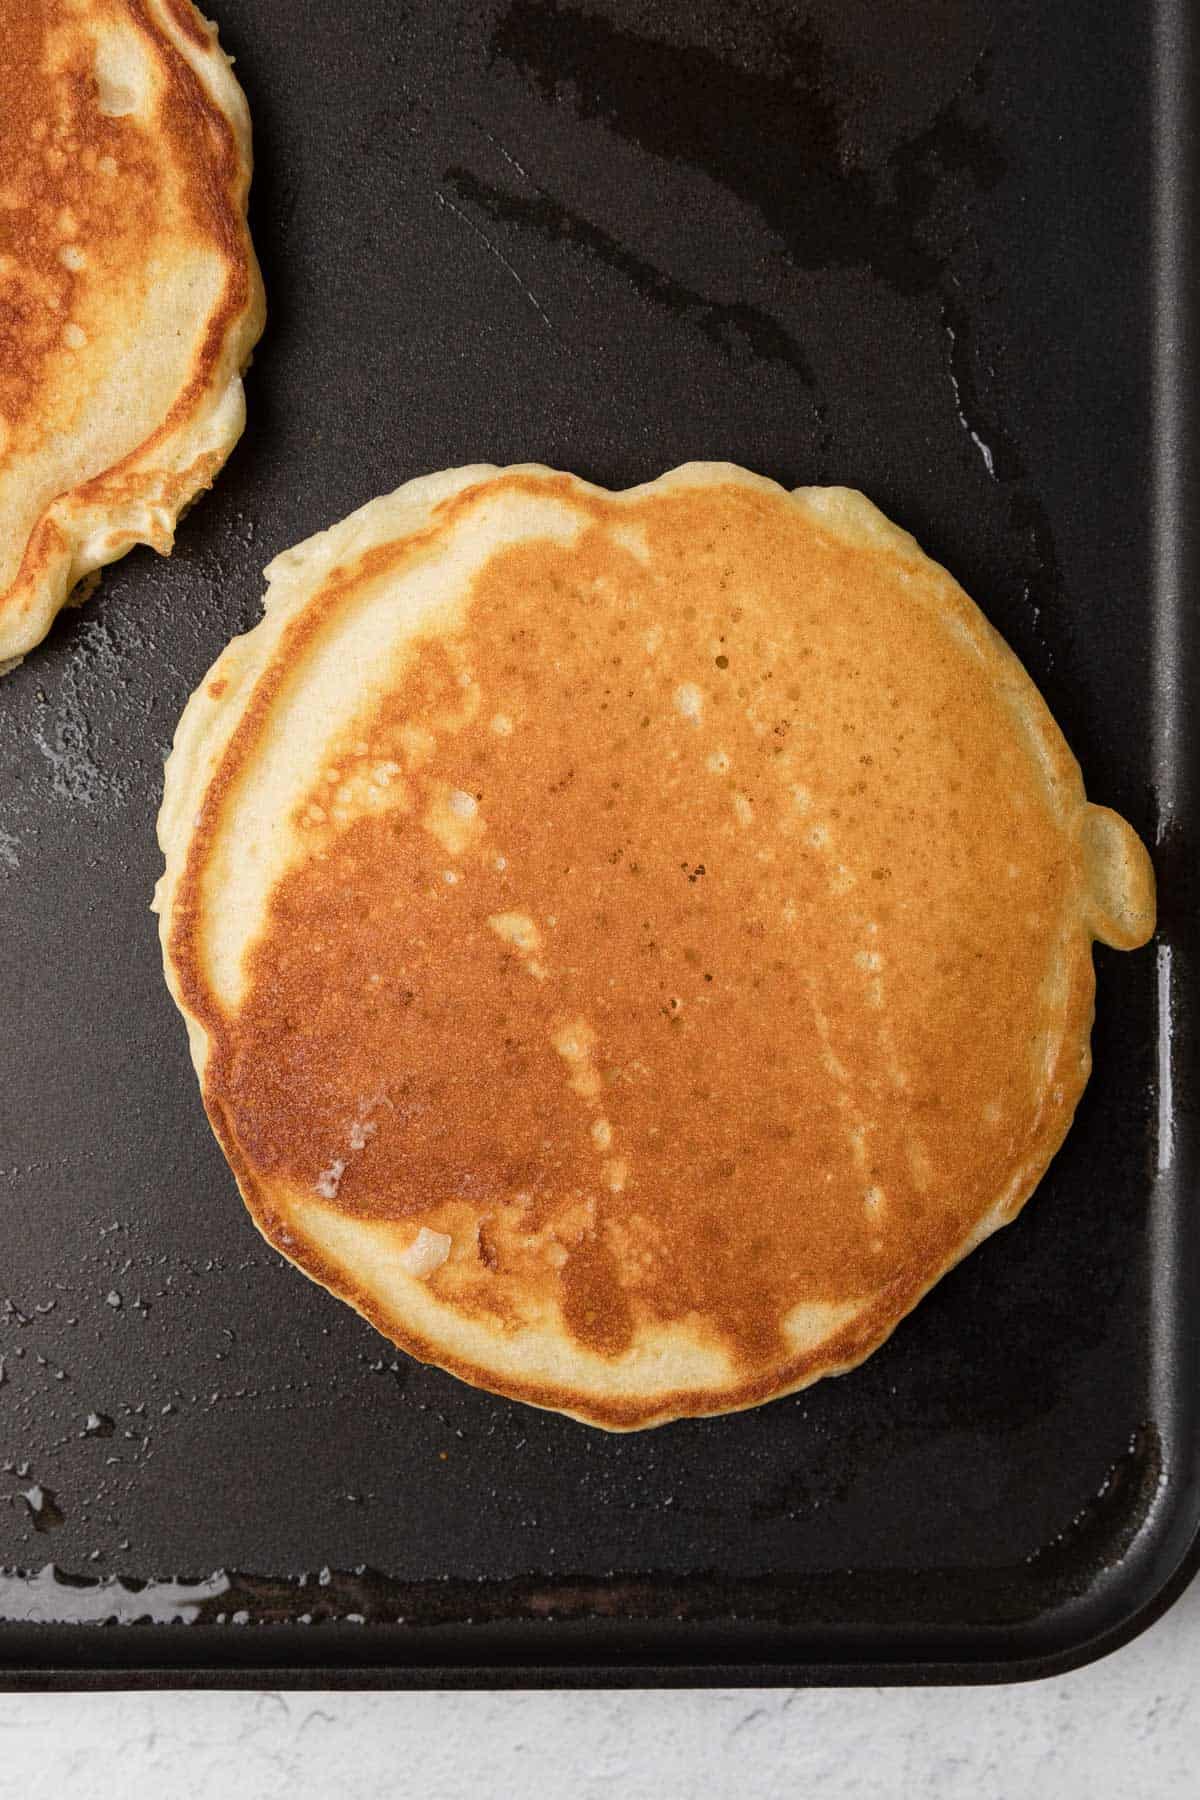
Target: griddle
(939, 251)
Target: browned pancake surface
(124, 154)
(723, 946)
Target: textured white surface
(1128, 1727)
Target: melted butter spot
(868, 960)
(653, 640)
(73, 337)
(464, 805)
(502, 725)
(71, 257)
(616, 1174)
(743, 811)
(717, 763)
(602, 1135)
(818, 837)
(873, 1201)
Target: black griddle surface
(914, 249)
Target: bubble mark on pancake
(122, 77)
(633, 539)
(360, 1131)
(519, 930)
(689, 702)
(575, 1043)
(426, 1254)
(454, 819)
(919, 1164)
(330, 1179)
(869, 963)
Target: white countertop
(1127, 1727)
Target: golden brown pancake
(129, 295)
(632, 944)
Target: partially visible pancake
(632, 944)
(130, 299)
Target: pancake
(632, 944)
(130, 299)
